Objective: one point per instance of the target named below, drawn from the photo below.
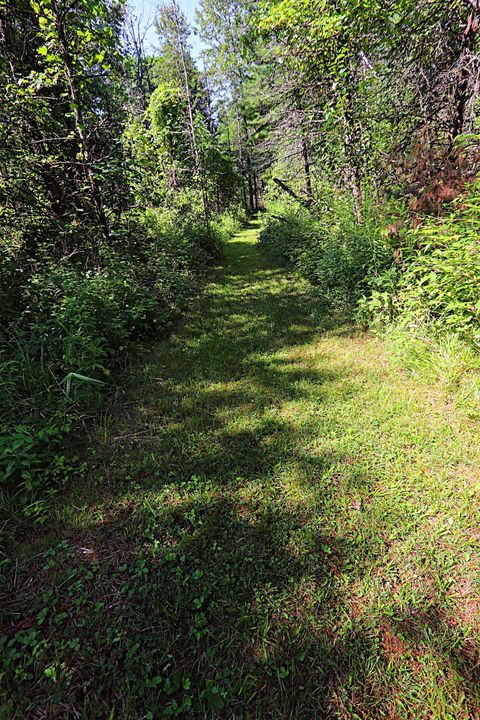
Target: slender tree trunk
(255, 190)
(351, 141)
(172, 158)
(143, 80)
(306, 169)
(240, 155)
(77, 111)
(250, 171)
(251, 197)
(199, 170)
(304, 147)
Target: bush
(340, 256)
(69, 327)
(434, 290)
(226, 225)
(440, 288)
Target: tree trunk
(250, 172)
(241, 167)
(77, 110)
(255, 190)
(306, 169)
(353, 176)
(199, 170)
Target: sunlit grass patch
(277, 522)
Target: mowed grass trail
(276, 523)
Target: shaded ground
(276, 524)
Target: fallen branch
(306, 202)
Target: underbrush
(329, 247)
(70, 327)
(428, 304)
(419, 288)
(436, 286)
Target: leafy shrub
(69, 327)
(435, 291)
(228, 224)
(36, 416)
(441, 285)
(340, 256)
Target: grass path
(278, 524)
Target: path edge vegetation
(143, 164)
(268, 524)
(349, 128)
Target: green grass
(277, 522)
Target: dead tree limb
(306, 202)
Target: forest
(239, 360)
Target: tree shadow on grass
(207, 602)
(201, 570)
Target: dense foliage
(351, 125)
(438, 286)
(259, 517)
(340, 256)
(111, 191)
(359, 123)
